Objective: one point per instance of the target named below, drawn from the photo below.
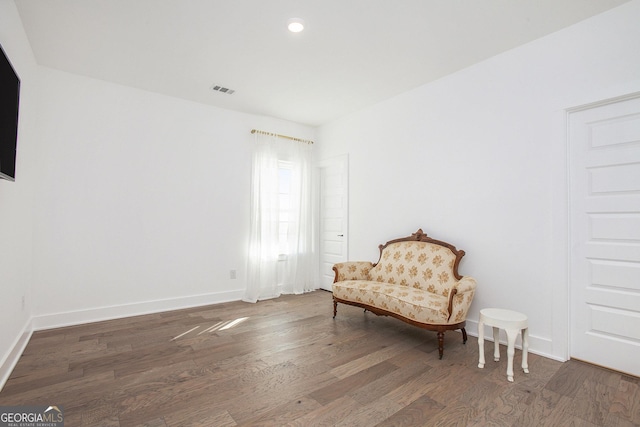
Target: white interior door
(604, 150)
(334, 216)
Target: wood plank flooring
(287, 362)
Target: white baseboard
(11, 359)
(71, 318)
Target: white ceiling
(353, 53)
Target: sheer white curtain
(282, 255)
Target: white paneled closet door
(604, 152)
(334, 216)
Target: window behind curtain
(284, 214)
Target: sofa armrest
(353, 270)
(466, 284)
(460, 299)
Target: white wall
(478, 159)
(16, 199)
(144, 200)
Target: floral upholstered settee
(415, 280)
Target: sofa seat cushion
(412, 303)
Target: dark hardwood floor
(287, 362)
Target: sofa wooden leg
(464, 336)
(440, 343)
(335, 308)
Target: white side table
(513, 323)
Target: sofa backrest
(425, 265)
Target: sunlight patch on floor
(220, 326)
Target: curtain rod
(281, 136)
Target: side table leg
(511, 350)
(481, 344)
(496, 343)
(525, 350)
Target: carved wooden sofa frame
(418, 301)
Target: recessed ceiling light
(295, 25)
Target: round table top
(502, 314)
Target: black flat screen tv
(9, 103)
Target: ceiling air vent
(222, 89)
